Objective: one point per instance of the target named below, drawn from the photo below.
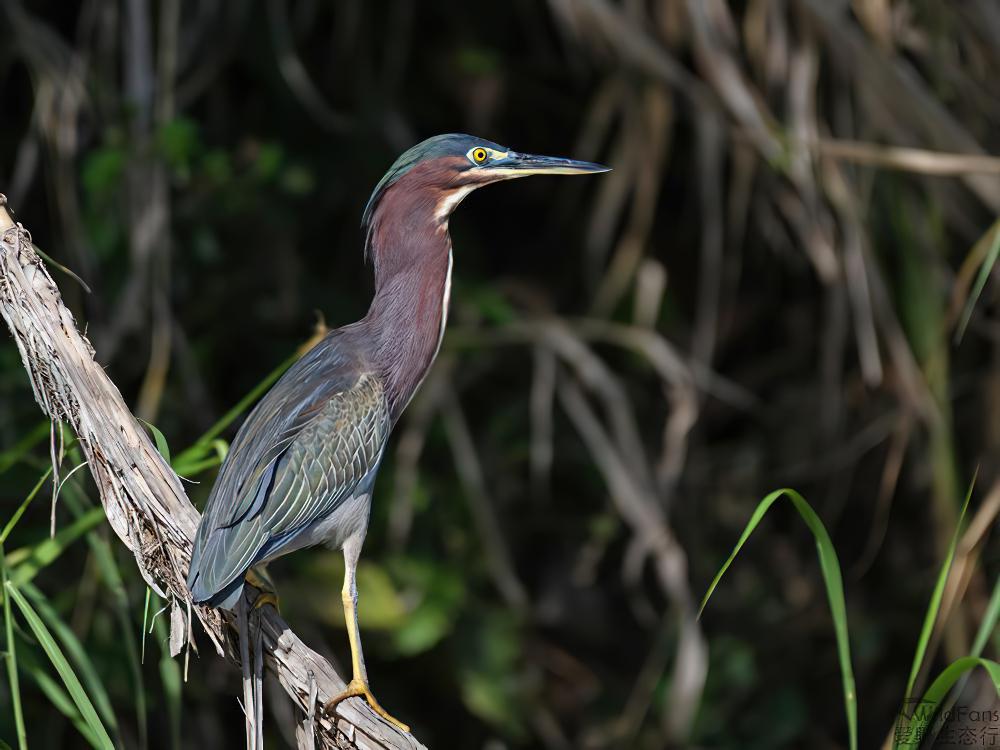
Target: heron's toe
(359, 689)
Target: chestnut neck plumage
(411, 250)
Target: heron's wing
(314, 439)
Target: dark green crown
(449, 144)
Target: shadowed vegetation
(785, 281)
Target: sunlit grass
(832, 579)
(79, 693)
(100, 737)
(10, 658)
(911, 725)
(911, 732)
(930, 618)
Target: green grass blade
(25, 563)
(55, 654)
(984, 274)
(197, 452)
(76, 651)
(17, 451)
(911, 730)
(57, 696)
(10, 657)
(989, 624)
(188, 469)
(830, 569)
(159, 439)
(145, 624)
(170, 677)
(986, 628)
(935, 604)
(23, 507)
(103, 554)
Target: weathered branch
(143, 498)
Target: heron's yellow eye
(479, 155)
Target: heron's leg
(358, 686)
(259, 578)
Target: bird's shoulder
(333, 374)
(330, 396)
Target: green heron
(301, 468)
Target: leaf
(384, 608)
(11, 658)
(984, 274)
(17, 451)
(161, 441)
(989, 623)
(297, 180)
(935, 604)
(103, 555)
(913, 722)
(25, 563)
(76, 651)
(23, 506)
(832, 579)
(145, 623)
(270, 157)
(170, 677)
(478, 61)
(65, 671)
(57, 696)
(206, 443)
(178, 140)
(102, 170)
(421, 631)
(441, 592)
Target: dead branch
(143, 498)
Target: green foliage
(991, 241)
(102, 172)
(815, 343)
(100, 737)
(81, 660)
(935, 604)
(988, 626)
(915, 718)
(179, 143)
(10, 658)
(492, 684)
(159, 439)
(28, 561)
(442, 593)
(478, 61)
(911, 730)
(171, 681)
(12, 522)
(832, 580)
(207, 451)
(57, 696)
(22, 447)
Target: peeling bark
(144, 500)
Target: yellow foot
(357, 688)
(260, 579)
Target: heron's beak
(522, 165)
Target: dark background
(633, 359)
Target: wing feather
(309, 445)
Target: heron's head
(446, 168)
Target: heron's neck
(411, 250)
